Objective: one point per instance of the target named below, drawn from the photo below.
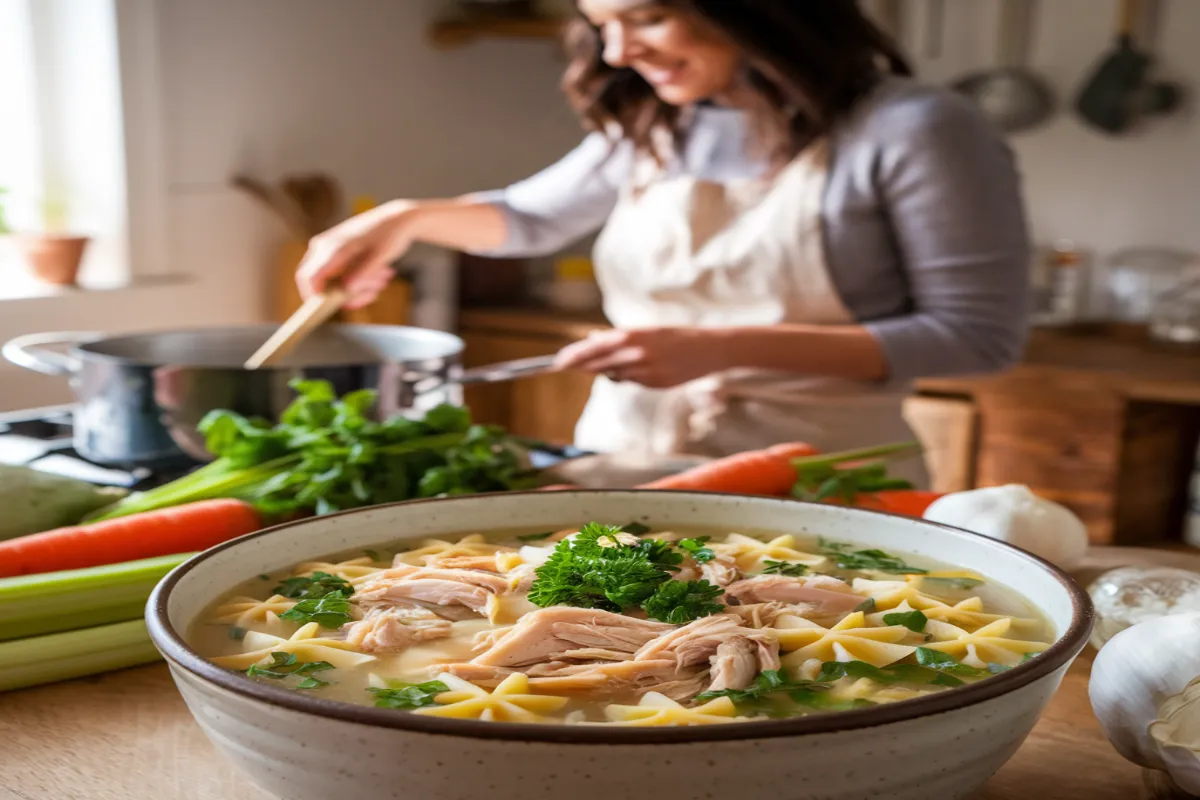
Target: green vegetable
(897, 673)
(236, 633)
(284, 665)
(35, 501)
(636, 528)
(35, 605)
(865, 560)
(329, 611)
(327, 455)
(408, 695)
(61, 656)
(784, 568)
(913, 620)
(946, 663)
(680, 602)
(697, 550)
(599, 570)
(955, 583)
(315, 586)
(771, 690)
(866, 606)
(536, 537)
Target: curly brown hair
(807, 63)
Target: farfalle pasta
(620, 625)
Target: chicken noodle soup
(621, 626)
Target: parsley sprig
(313, 586)
(408, 695)
(697, 548)
(787, 568)
(329, 611)
(286, 665)
(611, 569)
(865, 560)
(772, 690)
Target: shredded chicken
(441, 587)
(762, 615)
(391, 629)
(824, 594)
(549, 633)
(735, 664)
(485, 563)
(721, 571)
(606, 679)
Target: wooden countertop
(1116, 358)
(128, 735)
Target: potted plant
(52, 257)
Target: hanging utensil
(935, 27)
(278, 202)
(1012, 96)
(1118, 91)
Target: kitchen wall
(351, 87)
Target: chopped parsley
(329, 611)
(866, 606)
(264, 577)
(897, 673)
(866, 560)
(408, 695)
(236, 633)
(608, 568)
(955, 583)
(697, 549)
(771, 691)
(314, 586)
(535, 537)
(784, 568)
(946, 663)
(636, 528)
(285, 665)
(913, 620)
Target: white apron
(685, 252)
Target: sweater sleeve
(564, 202)
(952, 191)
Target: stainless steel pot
(140, 397)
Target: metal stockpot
(140, 397)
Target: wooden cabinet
(544, 407)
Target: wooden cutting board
(128, 736)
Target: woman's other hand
(658, 358)
(359, 251)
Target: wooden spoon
(310, 316)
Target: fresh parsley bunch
(607, 568)
(327, 454)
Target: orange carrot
(754, 472)
(195, 526)
(909, 502)
(794, 450)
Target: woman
(793, 228)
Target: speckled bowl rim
(173, 647)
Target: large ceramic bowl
(303, 748)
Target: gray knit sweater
(924, 224)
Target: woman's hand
(655, 357)
(359, 251)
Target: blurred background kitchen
(189, 148)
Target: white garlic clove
(1134, 676)
(1016, 515)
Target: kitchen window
(77, 147)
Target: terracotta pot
(52, 259)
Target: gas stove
(40, 438)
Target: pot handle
(506, 370)
(492, 373)
(30, 352)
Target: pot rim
(82, 349)
(179, 654)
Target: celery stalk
(62, 656)
(35, 605)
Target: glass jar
(1060, 284)
(1126, 596)
(1138, 278)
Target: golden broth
(874, 636)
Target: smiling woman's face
(683, 59)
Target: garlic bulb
(1144, 691)
(1125, 596)
(1015, 515)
